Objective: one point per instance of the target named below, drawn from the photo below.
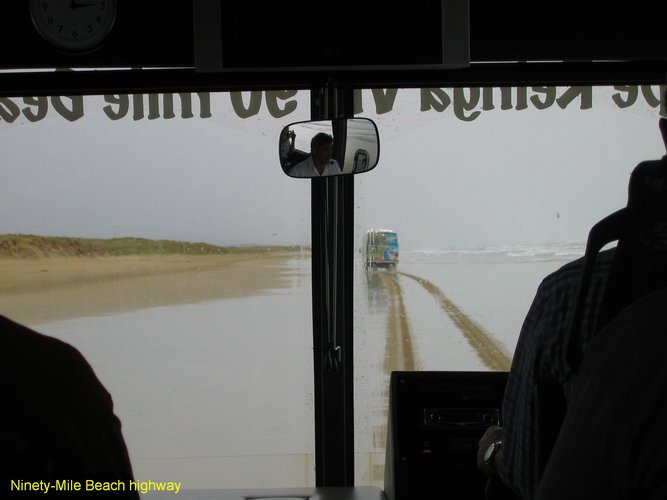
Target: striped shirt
(540, 356)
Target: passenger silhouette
(613, 442)
(543, 352)
(57, 421)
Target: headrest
(647, 203)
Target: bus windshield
(159, 236)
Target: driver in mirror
(319, 163)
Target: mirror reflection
(329, 147)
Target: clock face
(73, 25)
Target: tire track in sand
(400, 355)
(479, 339)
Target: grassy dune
(44, 279)
(25, 245)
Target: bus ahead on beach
(253, 329)
(381, 249)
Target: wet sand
(34, 291)
(490, 351)
(399, 354)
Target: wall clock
(73, 25)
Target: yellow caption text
(89, 485)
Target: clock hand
(74, 5)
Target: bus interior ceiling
(515, 43)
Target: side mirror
(329, 147)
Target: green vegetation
(24, 245)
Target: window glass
(159, 236)
(488, 191)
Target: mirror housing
(311, 149)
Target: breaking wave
(497, 254)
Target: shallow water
(218, 394)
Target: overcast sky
(506, 177)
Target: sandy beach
(176, 338)
(41, 290)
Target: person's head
(321, 147)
